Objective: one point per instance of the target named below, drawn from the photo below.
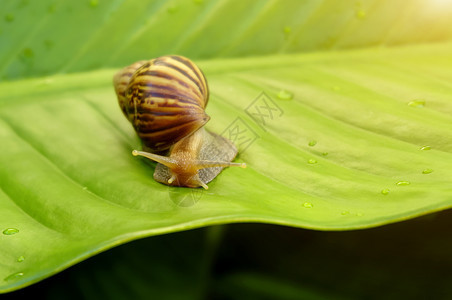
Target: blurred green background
(59, 36)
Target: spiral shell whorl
(121, 82)
(163, 98)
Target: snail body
(165, 99)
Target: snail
(164, 99)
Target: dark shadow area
(407, 260)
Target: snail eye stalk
(164, 160)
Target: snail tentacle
(164, 160)
(171, 180)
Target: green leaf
(72, 188)
(323, 134)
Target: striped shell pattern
(164, 99)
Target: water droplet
(10, 231)
(359, 214)
(403, 183)
(51, 8)
(85, 188)
(345, 213)
(427, 171)
(285, 95)
(9, 18)
(307, 205)
(426, 148)
(312, 161)
(14, 276)
(361, 14)
(27, 52)
(385, 191)
(94, 3)
(312, 143)
(26, 56)
(21, 258)
(324, 153)
(48, 44)
(23, 3)
(417, 103)
(287, 30)
(172, 9)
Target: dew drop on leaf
(427, 171)
(285, 95)
(312, 143)
(48, 44)
(28, 52)
(417, 103)
(23, 3)
(21, 258)
(426, 148)
(307, 205)
(312, 161)
(9, 18)
(287, 30)
(385, 191)
(361, 14)
(51, 9)
(172, 9)
(14, 276)
(10, 231)
(403, 183)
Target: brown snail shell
(164, 99)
